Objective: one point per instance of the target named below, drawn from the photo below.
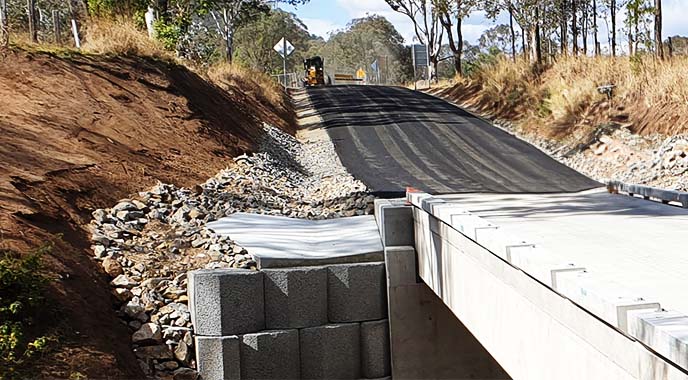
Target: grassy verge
(564, 101)
(21, 299)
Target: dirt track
(79, 133)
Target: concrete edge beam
(607, 300)
(664, 331)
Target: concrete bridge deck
(638, 244)
(556, 286)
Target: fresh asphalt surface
(391, 138)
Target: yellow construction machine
(315, 72)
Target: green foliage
(113, 8)
(476, 59)
(168, 33)
(363, 41)
(254, 42)
(21, 288)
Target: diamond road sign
(282, 46)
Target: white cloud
(320, 27)
(362, 8)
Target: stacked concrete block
(226, 302)
(271, 354)
(331, 352)
(218, 358)
(291, 323)
(356, 292)
(295, 297)
(375, 359)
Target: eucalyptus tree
(659, 44)
(493, 8)
(451, 15)
(363, 41)
(426, 24)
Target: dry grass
(649, 95)
(260, 84)
(122, 37)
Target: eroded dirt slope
(80, 132)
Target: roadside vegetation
(22, 287)
(564, 100)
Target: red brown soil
(80, 132)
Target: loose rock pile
(148, 243)
(655, 160)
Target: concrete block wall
(291, 323)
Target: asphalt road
(391, 138)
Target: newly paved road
(391, 138)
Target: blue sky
(325, 16)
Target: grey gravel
(153, 238)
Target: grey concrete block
(356, 292)
(218, 358)
(295, 297)
(226, 301)
(400, 263)
(331, 352)
(375, 359)
(395, 221)
(271, 355)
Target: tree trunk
(613, 14)
(524, 45)
(511, 28)
(229, 40)
(56, 26)
(4, 24)
(564, 28)
(585, 29)
(162, 9)
(659, 44)
(574, 26)
(459, 46)
(33, 32)
(594, 20)
(535, 38)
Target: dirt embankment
(638, 134)
(80, 132)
